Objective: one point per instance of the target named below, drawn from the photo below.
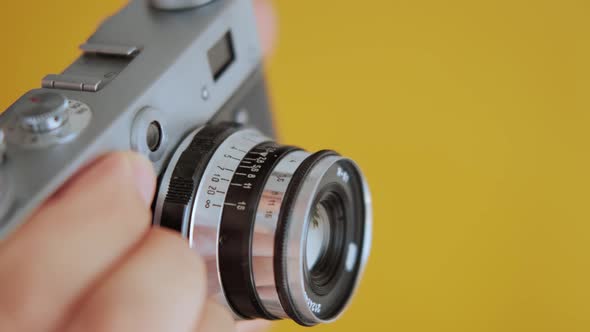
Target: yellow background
(471, 120)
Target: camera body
(284, 233)
(142, 65)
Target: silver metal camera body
(152, 65)
(285, 233)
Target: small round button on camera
(43, 112)
(178, 4)
(148, 133)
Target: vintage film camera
(285, 233)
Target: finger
(266, 20)
(216, 318)
(72, 239)
(160, 286)
(253, 326)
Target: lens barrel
(284, 233)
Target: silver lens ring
(265, 226)
(204, 230)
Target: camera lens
(284, 233)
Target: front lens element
(329, 220)
(318, 236)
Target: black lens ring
(188, 171)
(237, 230)
(280, 269)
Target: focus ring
(188, 171)
(237, 225)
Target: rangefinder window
(221, 55)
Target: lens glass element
(318, 236)
(326, 232)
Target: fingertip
(144, 175)
(258, 325)
(266, 19)
(122, 168)
(215, 318)
(157, 286)
(184, 257)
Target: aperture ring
(265, 225)
(237, 226)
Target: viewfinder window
(221, 55)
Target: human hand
(88, 259)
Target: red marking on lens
(35, 100)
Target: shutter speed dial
(43, 112)
(44, 118)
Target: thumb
(74, 238)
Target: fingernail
(144, 176)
